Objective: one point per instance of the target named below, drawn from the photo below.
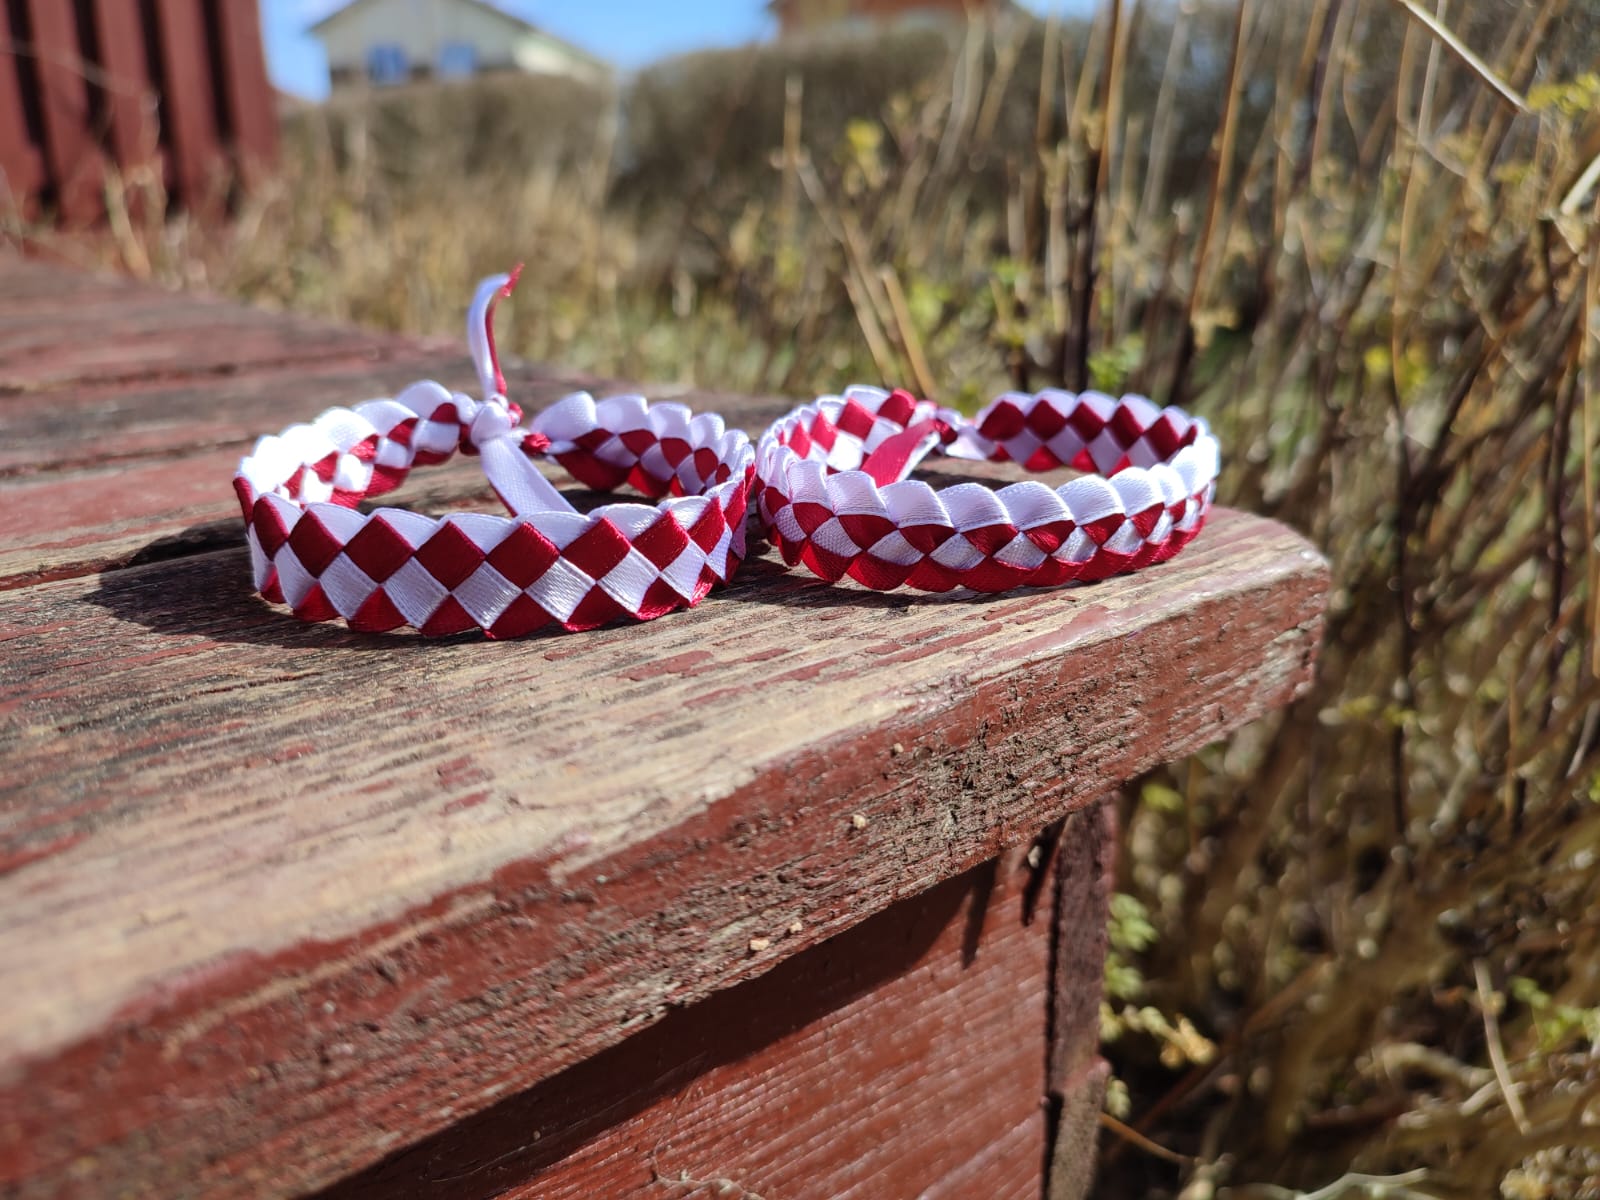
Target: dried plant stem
(1497, 1051)
(908, 333)
(1134, 1138)
(1219, 183)
(1591, 336)
(1480, 68)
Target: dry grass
(1359, 940)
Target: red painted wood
(71, 153)
(1076, 1075)
(211, 111)
(281, 870)
(163, 419)
(904, 1057)
(185, 339)
(132, 103)
(39, 284)
(21, 164)
(251, 102)
(189, 102)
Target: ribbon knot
(496, 418)
(504, 448)
(493, 431)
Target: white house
(393, 41)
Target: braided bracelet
(831, 489)
(313, 551)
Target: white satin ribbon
(520, 484)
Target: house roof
(778, 7)
(510, 18)
(345, 10)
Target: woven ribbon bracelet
(312, 550)
(832, 492)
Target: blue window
(457, 60)
(386, 63)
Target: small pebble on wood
(757, 945)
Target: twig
(1480, 68)
(1219, 184)
(1497, 1050)
(870, 329)
(1345, 1185)
(1587, 367)
(1132, 1136)
(1579, 191)
(908, 331)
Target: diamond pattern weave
(312, 550)
(831, 490)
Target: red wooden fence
(180, 85)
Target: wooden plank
(63, 525)
(103, 334)
(26, 282)
(21, 165)
(95, 425)
(132, 103)
(82, 425)
(188, 102)
(251, 100)
(96, 317)
(904, 1057)
(1076, 1075)
(183, 337)
(71, 153)
(260, 873)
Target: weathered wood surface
(106, 341)
(245, 846)
(1075, 1074)
(258, 874)
(902, 1058)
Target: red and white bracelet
(313, 551)
(832, 492)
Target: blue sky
(628, 33)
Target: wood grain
(1075, 1074)
(901, 1058)
(190, 102)
(109, 79)
(21, 161)
(283, 869)
(70, 151)
(29, 285)
(251, 101)
(132, 103)
(133, 344)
